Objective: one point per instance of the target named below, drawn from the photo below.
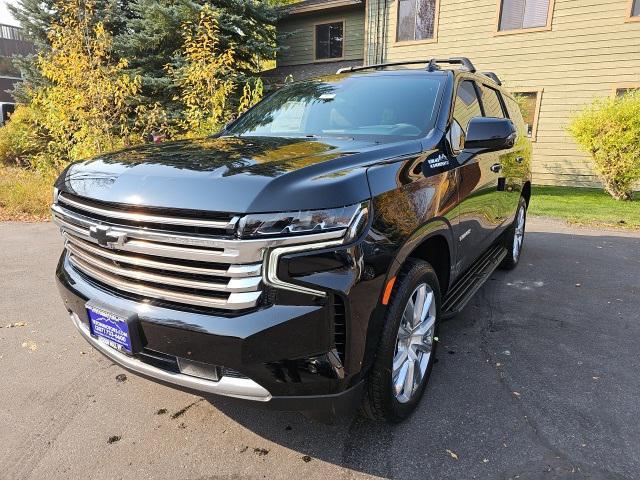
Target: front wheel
(406, 351)
(514, 237)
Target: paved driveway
(537, 378)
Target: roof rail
(464, 61)
(378, 65)
(431, 64)
(493, 77)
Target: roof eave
(304, 7)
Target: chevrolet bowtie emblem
(107, 237)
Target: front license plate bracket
(117, 328)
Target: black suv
(303, 257)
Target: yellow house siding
(589, 49)
(300, 47)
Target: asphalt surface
(537, 378)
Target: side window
(467, 104)
(491, 102)
(466, 107)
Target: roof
(309, 6)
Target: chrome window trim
(244, 388)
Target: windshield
(393, 105)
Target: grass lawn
(24, 195)
(585, 206)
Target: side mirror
(490, 134)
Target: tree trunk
(618, 191)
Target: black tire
(379, 402)
(511, 260)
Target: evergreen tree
(152, 39)
(147, 33)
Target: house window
(529, 103)
(524, 15)
(329, 40)
(416, 20)
(622, 91)
(634, 11)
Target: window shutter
(511, 14)
(535, 13)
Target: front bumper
(243, 388)
(271, 347)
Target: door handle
(496, 167)
(519, 159)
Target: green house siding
(297, 36)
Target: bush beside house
(609, 130)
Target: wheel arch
(433, 243)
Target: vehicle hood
(232, 174)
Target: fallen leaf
(30, 344)
(485, 460)
(16, 324)
(453, 455)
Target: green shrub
(609, 130)
(19, 139)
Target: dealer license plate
(110, 328)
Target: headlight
(300, 222)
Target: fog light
(198, 369)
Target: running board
(462, 291)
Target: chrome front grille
(127, 251)
(177, 256)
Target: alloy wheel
(414, 343)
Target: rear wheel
(406, 351)
(514, 238)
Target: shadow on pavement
(537, 377)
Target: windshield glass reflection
(385, 105)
